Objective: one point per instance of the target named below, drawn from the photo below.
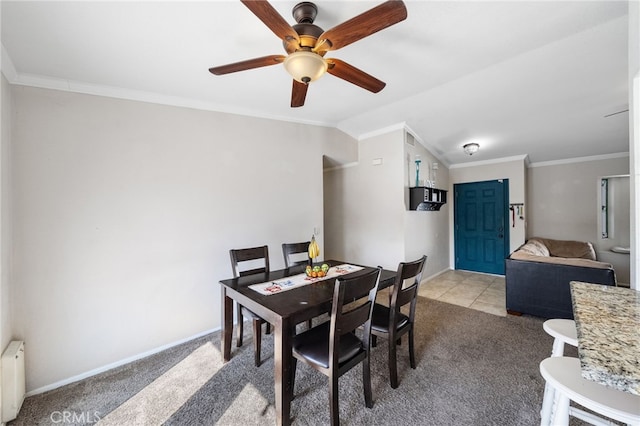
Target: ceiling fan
(306, 44)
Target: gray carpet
(473, 369)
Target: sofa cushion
(566, 248)
(572, 261)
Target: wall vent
(13, 380)
(409, 139)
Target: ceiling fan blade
(380, 17)
(247, 65)
(354, 75)
(298, 94)
(272, 19)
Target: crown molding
(579, 159)
(403, 126)
(382, 131)
(524, 158)
(428, 147)
(149, 97)
(44, 82)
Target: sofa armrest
(542, 289)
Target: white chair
(563, 332)
(566, 384)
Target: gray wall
(563, 203)
(426, 232)
(364, 204)
(366, 216)
(124, 213)
(6, 327)
(563, 198)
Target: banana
(314, 250)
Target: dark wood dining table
(283, 311)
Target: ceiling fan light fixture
(471, 148)
(305, 66)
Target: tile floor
(482, 292)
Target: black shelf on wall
(423, 198)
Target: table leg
(227, 324)
(282, 373)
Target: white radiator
(13, 381)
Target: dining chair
(250, 257)
(290, 250)
(390, 322)
(291, 253)
(333, 347)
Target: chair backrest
(291, 249)
(349, 291)
(401, 294)
(252, 256)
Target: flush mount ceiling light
(304, 66)
(471, 148)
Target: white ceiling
(521, 78)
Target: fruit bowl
(317, 271)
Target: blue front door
(481, 236)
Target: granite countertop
(608, 322)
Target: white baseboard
(436, 274)
(102, 369)
(154, 351)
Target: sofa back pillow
(534, 248)
(569, 249)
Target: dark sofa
(538, 274)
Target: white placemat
(299, 280)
